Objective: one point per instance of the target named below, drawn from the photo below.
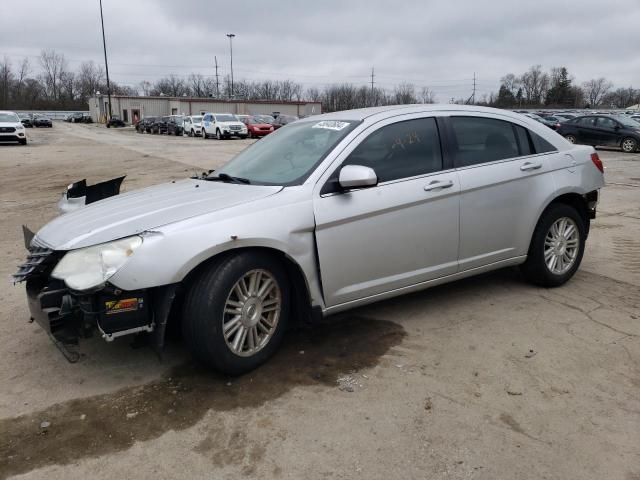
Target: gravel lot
(486, 378)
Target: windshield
(196, 119)
(289, 155)
(178, 119)
(9, 117)
(226, 118)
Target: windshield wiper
(224, 177)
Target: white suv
(222, 125)
(193, 125)
(11, 128)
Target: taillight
(597, 162)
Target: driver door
(399, 233)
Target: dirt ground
(486, 378)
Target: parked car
(193, 125)
(11, 128)
(142, 125)
(600, 130)
(42, 121)
(565, 116)
(115, 121)
(256, 127)
(265, 119)
(540, 119)
(74, 117)
(329, 213)
(282, 120)
(26, 120)
(222, 125)
(556, 121)
(174, 125)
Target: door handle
(437, 184)
(530, 166)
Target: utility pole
(231, 35)
(106, 64)
(473, 95)
(217, 81)
(372, 94)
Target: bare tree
(426, 95)
(595, 89)
(53, 67)
(145, 87)
(6, 80)
(535, 83)
(404, 94)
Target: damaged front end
(68, 315)
(79, 194)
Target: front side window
(400, 150)
(481, 140)
(608, 123)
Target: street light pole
(230, 35)
(106, 65)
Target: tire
(204, 315)
(571, 138)
(218, 134)
(192, 133)
(204, 134)
(249, 134)
(243, 137)
(629, 145)
(536, 269)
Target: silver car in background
(326, 214)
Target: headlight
(92, 266)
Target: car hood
(11, 124)
(228, 124)
(140, 210)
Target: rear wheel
(571, 138)
(629, 145)
(236, 312)
(556, 248)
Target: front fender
(170, 253)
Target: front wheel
(204, 134)
(556, 247)
(218, 135)
(236, 312)
(629, 145)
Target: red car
(256, 126)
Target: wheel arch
(301, 308)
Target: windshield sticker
(331, 125)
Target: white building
(131, 109)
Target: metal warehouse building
(131, 109)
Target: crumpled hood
(134, 212)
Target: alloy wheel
(251, 312)
(561, 245)
(629, 145)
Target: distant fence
(53, 115)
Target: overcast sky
(439, 44)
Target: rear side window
(587, 121)
(400, 150)
(540, 144)
(524, 144)
(481, 140)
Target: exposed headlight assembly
(90, 267)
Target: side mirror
(357, 176)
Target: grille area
(38, 262)
(7, 129)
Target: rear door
(504, 173)
(587, 131)
(398, 233)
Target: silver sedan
(326, 214)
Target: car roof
(392, 110)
